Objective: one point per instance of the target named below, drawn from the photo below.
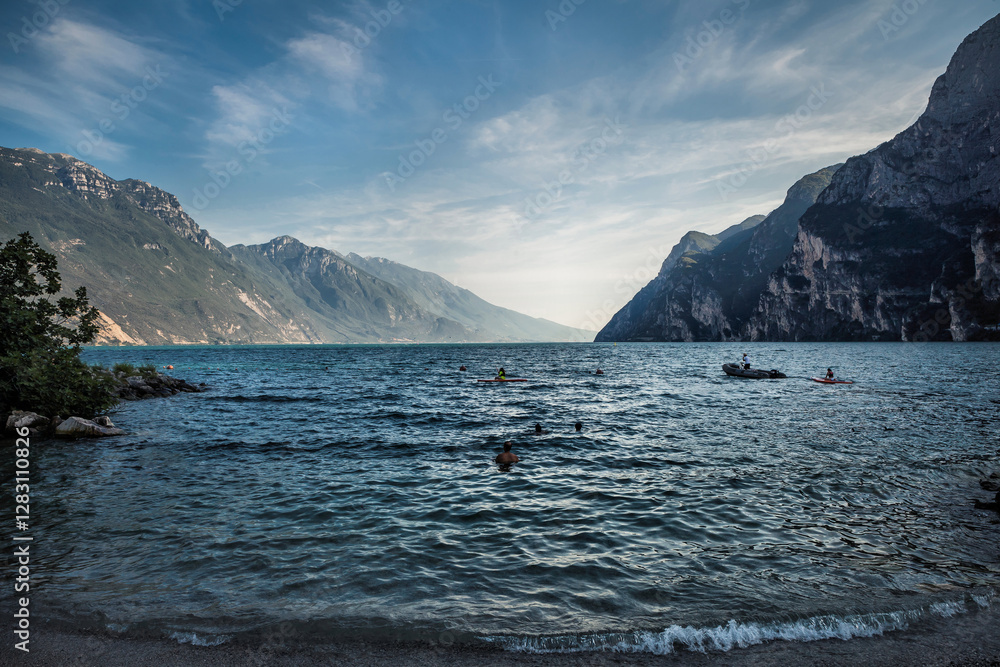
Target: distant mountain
(707, 286)
(158, 278)
(435, 294)
(359, 306)
(901, 243)
(153, 273)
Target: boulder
(77, 427)
(20, 419)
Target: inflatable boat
(754, 373)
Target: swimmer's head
(578, 426)
(538, 428)
(507, 445)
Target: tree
(40, 366)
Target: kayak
(825, 381)
(505, 380)
(753, 373)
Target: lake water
(342, 491)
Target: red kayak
(825, 381)
(505, 380)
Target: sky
(545, 154)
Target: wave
(736, 634)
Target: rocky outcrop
(166, 207)
(903, 244)
(138, 387)
(76, 427)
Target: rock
(20, 419)
(77, 427)
(154, 386)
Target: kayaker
(507, 456)
(829, 373)
(501, 374)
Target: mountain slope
(158, 278)
(361, 306)
(152, 284)
(435, 294)
(708, 285)
(903, 244)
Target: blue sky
(544, 154)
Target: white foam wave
(199, 640)
(948, 609)
(722, 637)
(984, 601)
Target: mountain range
(899, 244)
(158, 278)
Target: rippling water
(351, 490)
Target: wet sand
(970, 639)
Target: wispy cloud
(78, 72)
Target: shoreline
(971, 639)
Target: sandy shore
(971, 639)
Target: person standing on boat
(746, 361)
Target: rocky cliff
(708, 285)
(903, 244)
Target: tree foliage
(40, 338)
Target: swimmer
(578, 426)
(507, 456)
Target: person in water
(578, 426)
(538, 429)
(501, 374)
(507, 456)
(829, 373)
